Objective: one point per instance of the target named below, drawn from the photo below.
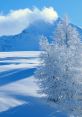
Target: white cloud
(17, 20)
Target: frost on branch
(60, 73)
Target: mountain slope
(29, 38)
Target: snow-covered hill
(29, 38)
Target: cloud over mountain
(17, 20)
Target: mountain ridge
(28, 39)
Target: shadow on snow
(35, 107)
(15, 75)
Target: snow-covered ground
(18, 89)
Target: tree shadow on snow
(34, 108)
(12, 76)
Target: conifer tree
(60, 72)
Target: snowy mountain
(29, 38)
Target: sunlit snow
(24, 86)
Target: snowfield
(17, 60)
(18, 89)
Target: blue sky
(30, 11)
(72, 8)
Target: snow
(18, 88)
(25, 86)
(19, 54)
(13, 61)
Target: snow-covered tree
(60, 73)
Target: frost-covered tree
(60, 73)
